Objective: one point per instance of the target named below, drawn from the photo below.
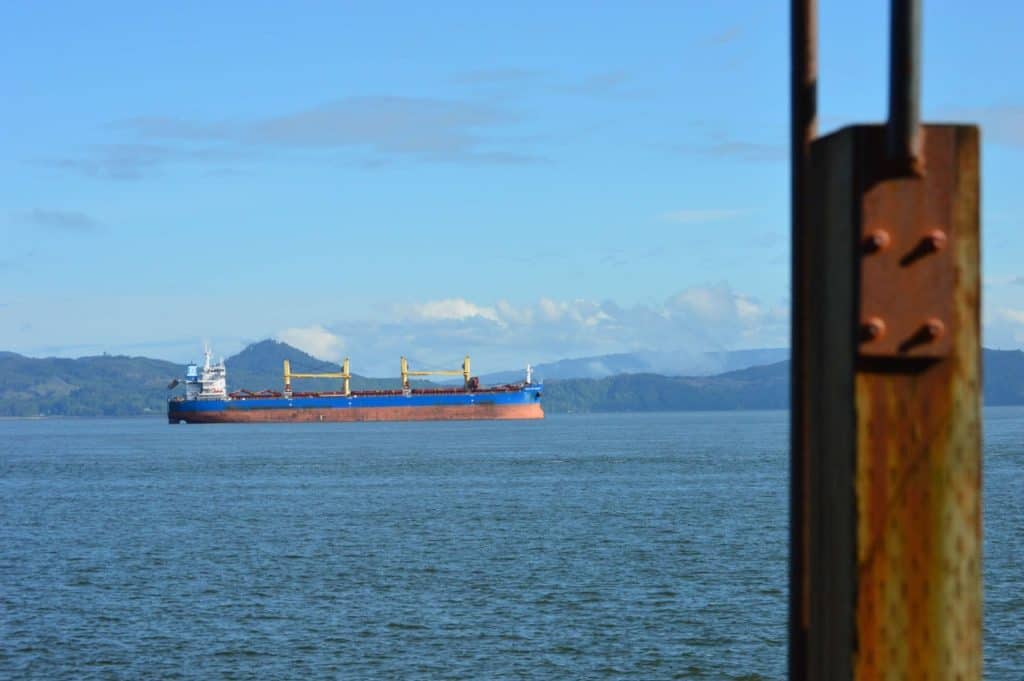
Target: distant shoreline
(557, 414)
(113, 387)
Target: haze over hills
(122, 386)
(663, 363)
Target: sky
(520, 181)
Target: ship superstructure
(208, 382)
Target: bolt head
(934, 328)
(935, 240)
(873, 328)
(877, 240)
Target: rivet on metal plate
(872, 329)
(876, 241)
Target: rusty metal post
(803, 129)
(885, 578)
(893, 422)
(904, 126)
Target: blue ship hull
(420, 405)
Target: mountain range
(121, 386)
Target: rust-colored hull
(488, 412)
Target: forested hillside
(123, 386)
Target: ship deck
(276, 394)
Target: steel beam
(803, 129)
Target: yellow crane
(464, 372)
(343, 374)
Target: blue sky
(523, 183)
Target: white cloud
(502, 335)
(747, 308)
(453, 309)
(1002, 326)
(718, 307)
(316, 340)
(1010, 315)
(551, 310)
(513, 314)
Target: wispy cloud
(136, 161)
(58, 220)
(598, 84)
(166, 127)
(726, 36)
(497, 76)
(371, 130)
(114, 161)
(746, 151)
(402, 125)
(419, 127)
(733, 149)
(702, 215)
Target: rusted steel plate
(918, 458)
(892, 496)
(907, 244)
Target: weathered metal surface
(918, 461)
(829, 314)
(907, 272)
(803, 128)
(903, 131)
(892, 495)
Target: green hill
(106, 385)
(123, 386)
(760, 387)
(259, 367)
(764, 387)
(1003, 377)
(109, 385)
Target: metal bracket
(907, 272)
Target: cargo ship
(207, 400)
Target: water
(615, 546)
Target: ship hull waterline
(473, 412)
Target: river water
(648, 546)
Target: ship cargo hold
(206, 399)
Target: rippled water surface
(646, 546)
